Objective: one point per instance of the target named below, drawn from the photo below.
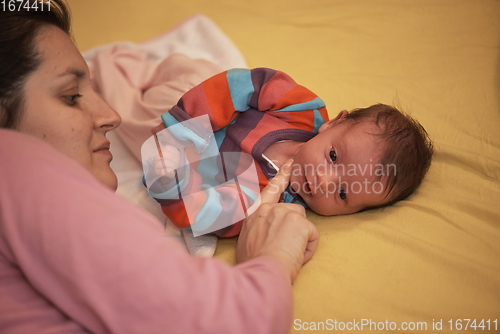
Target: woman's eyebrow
(72, 71)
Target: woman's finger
(295, 207)
(312, 244)
(288, 206)
(272, 192)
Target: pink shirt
(76, 257)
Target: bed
(431, 261)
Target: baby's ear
(333, 121)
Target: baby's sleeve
(224, 95)
(219, 210)
(211, 203)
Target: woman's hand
(280, 230)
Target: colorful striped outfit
(248, 110)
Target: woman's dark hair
(18, 55)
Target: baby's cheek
(324, 206)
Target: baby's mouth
(302, 185)
(307, 187)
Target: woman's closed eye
(72, 98)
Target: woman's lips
(104, 150)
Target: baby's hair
(407, 146)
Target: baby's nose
(327, 182)
(328, 186)
(331, 187)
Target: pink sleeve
(75, 255)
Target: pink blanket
(142, 81)
(141, 90)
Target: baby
(359, 160)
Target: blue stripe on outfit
(181, 132)
(209, 212)
(288, 198)
(318, 120)
(250, 194)
(240, 87)
(309, 105)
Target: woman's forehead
(59, 55)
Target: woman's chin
(107, 178)
(112, 182)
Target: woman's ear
(334, 121)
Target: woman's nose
(105, 117)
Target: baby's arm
(224, 95)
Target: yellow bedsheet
(434, 256)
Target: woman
(75, 257)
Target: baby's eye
(333, 155)
(342, 194)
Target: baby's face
(336, 172)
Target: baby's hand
(166, 165)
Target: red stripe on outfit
(219, 99)
(273, 90)
(296, 95)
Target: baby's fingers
(164, 166)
